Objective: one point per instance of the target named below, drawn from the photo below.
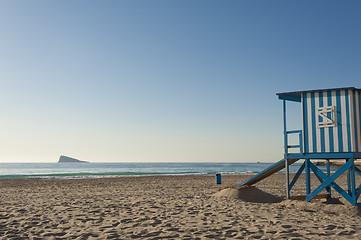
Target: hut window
(326, 117)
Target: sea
(102, 170)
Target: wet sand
(160, 207)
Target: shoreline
(110, 175)
(154, 207)
(106, 175)
(98, 170)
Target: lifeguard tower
(331, 129)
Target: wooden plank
(303, 197)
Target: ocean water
(98, 170)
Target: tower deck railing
(299, 145)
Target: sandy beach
(173, 207)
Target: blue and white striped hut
(331, 129)
(330, 119)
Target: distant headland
(65, 159)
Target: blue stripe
(357, 125)
(359, 112)
(313, 122)
(305, 123)
(339, 121)
(348, 120)
(322, 130)
(330, 130)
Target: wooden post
(353, 186)
(285, 140)
(287, 179)
(328, 174)
(349, 179)
(308, 179)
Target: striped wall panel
(345, 134)
(357, 120)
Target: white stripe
(318, 130)
(335, 134)
(327, 135)
(358, 132)
(309, 114)
(344, 120)
(352, 124)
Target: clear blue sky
(137, 81)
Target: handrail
(300, 145)
(294, 131)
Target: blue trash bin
(218, 178)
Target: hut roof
(296, 96)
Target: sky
(165, 81)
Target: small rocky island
(65, 159)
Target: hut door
(326, 117)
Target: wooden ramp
(267, 172)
